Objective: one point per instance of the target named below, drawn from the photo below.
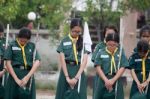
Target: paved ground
(51, 97)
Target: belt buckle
(21, 67)
(72, 63)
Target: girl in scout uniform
(2, 68)
(70, 58)
(21, 66)
(144, 34)
(139, 65)
(108, 70)
(107, 30)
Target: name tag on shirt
(138, 60)
(104, 56)
(16, 48)
(67, 43)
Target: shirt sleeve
(95, 53)
(98, 60)
(60, 47)
(37, 56)
(131, 62)
(8, 53)
(124, 61)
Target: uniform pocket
(67, 50)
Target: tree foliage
(50, 12)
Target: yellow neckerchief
(23, 53)
(113, 63)
(143, 67)
(74, 40)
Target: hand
(25, 81)
(2, 73)
(71, 82)
(140, 87)
(109, 84)
(18, 81)
(144, 84)
(112, 81)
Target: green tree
(51, 12)
(100, 13)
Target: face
(23, 41)
(145, 36)
(111, 46)
(76, 31)
(142, 54)
(109, 31)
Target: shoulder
(101, 44)
(102, 51)
(30, 44)
(13, 43)
(134, 56)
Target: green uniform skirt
(102, 93)
(134, 89)
(63, 86)
(13, 91)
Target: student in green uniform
(107, 30)
(108, 70)
(139, 65)
(70, 58)
(2, 69)
(21, 66)
(144, 34)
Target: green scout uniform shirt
(14, 54)
(66, 48)
(103, 59)
(99, 46)
(135, 62)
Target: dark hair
(77, 22)
(1, 27)
(110, 27)
(145, 28)
(112, 37)
(24, 33)
(142, 46)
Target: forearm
(11, 70)
(101, 73)
(82, 66)
(134, 76)
(35, 66)
(63, 65)
(119, 74)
